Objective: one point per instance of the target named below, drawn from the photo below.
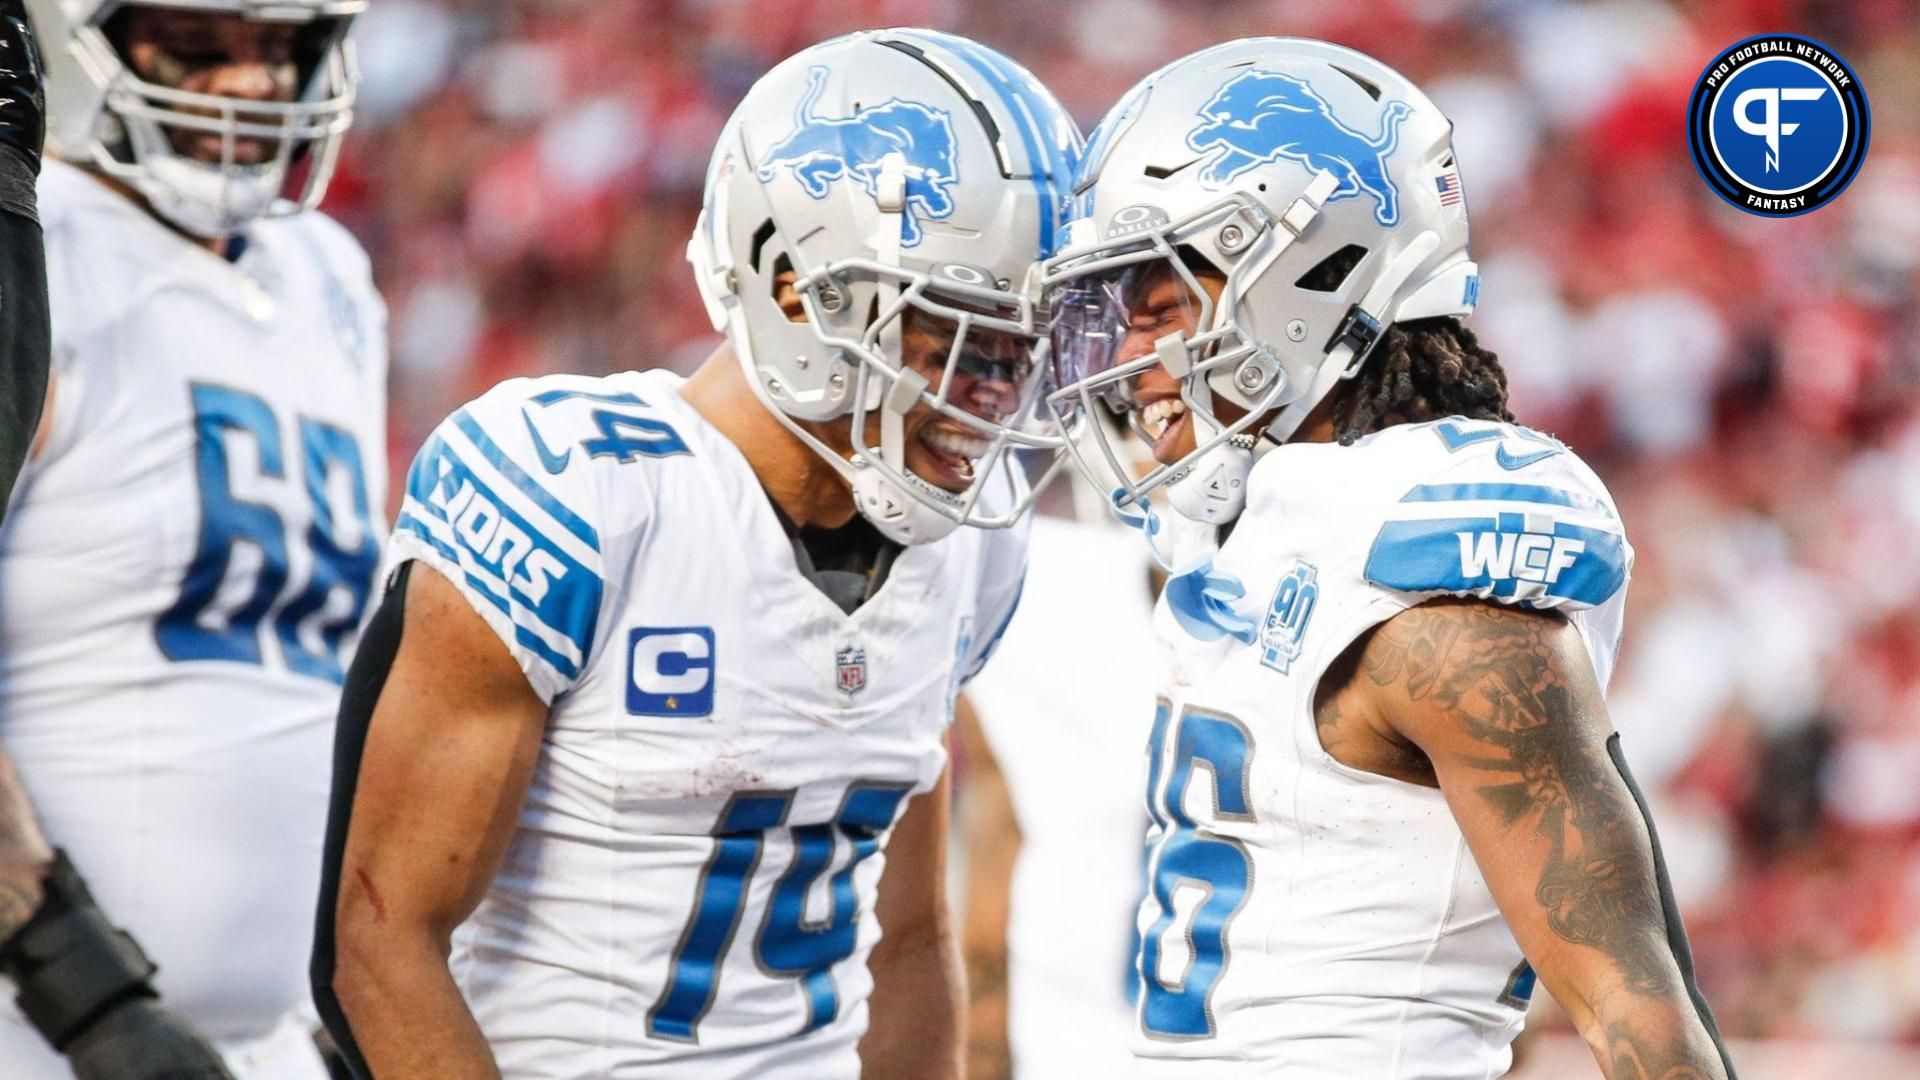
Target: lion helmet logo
(1263, 116)
(824, 149)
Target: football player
(1383, 785)
(662, 678)
(190, 550)
(1053, 854)
(23, 265)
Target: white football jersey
(1066, 708)
(690, 889)
(182, 578)
(1305, 919)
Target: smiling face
(1159, 302)
(988, 374)
(986, 381)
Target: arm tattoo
(1493, 668)
(989, 1057)
(1416, 655)
(24, 854)
(1499, 675)
(1631, 1055)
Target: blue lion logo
(1262, 116)
(823, 149)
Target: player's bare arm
(24, 853)
(103, 1016)
(453, 738)
(914, 1015)
(1499, 708)
(83, 983)
(993, 843)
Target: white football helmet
(100, 114)
(1319, 182)
(893, 171)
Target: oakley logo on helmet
(1134, 219)
(1263, 116)
(823, 149)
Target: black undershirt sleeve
(25, 332)
(366, 677)
(1676, 930)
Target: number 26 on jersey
(1197, 879)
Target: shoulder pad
(508, 510)
(338, 248)
(1506, 514)
(575, 419)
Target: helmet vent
(1332, 272)
(1372, 89)
(1161, 172)
(979, 107)
(760, 237)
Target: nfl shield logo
(850, 669)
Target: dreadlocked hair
(1422, 370)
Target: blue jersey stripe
(1498, 557)
(414, 525)
(561, 664)
(480, 585)
(1528, 493)
(551, 397)
(541, 497)
(1050, 163)
(484, 533)
(486, 591)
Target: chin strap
(895, 398)
(1200, 597)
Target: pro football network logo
(824, 149)
(1778, 125)
(1259, 117)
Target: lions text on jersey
(182, 577)
(1305, 919)
(690, 888)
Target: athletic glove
(24, 336)
(140, 1040)
(23, 105)
(86, 985)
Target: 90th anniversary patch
(1778, 125)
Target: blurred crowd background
(526, 174)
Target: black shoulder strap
(366, 678)
(1676, 930)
